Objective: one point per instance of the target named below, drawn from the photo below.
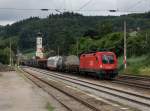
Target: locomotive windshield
(108, 59)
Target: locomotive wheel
(100, 75)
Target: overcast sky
(8, 16)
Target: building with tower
(39, 47)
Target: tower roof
(39, 34)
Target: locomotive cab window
(108, 59)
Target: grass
(49, 107)
(136, 65)
(29, 53)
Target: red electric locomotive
(104, 64)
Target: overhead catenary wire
(30, 9)
(75, 10)
(87, 3)
(81, 9)
(134, 5)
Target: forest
(74, 33)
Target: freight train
(102, 64)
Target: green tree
(104, 27)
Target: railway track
(72, 102)
(35, 81)
(125, 95)
(147, 78)
(140, 82)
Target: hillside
(65, 29)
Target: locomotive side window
(108, 59)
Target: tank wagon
(103, 64)
(70, 64)
(63, 63)
(53, 62)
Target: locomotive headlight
(101, 66)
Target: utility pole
(58, 50)
(64, 5)
(77, 47)
(10, 59)
(146, 42)
(125, 45)
(146, 38)
(18, 57)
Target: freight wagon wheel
(108, 77)
(83, 73)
